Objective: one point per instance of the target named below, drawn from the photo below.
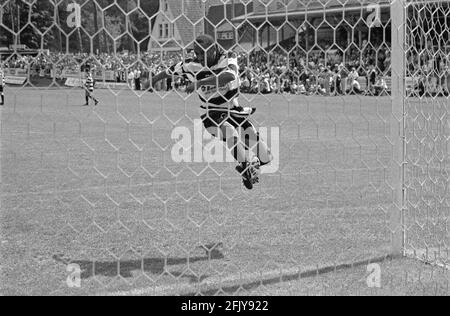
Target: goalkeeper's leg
(234, 144)
(248, 167)
(217, 124)
(254, 142)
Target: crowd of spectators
(329, 72)
(60, 62)
(316, 72)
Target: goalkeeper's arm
(150, 84)
(159, 77)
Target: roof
(277, 8)
(279, 5)
(188, 16)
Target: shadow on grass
(156, 266)
(288, 277)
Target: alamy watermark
(374, 18)
(74, 278)
(198, 145)
(374, 278)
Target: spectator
(372, 79)
(337, 81)
(354, 85)
(137, 79)
(131, 81)
(277, 72)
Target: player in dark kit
(89, 88)
(214, 75)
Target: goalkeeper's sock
(237, 150)
(3, 99)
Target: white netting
(427, 131)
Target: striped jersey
(214, 97)
(89, 83)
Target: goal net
(427, 130)
(133, 196)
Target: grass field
(97, 187)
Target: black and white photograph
(236, 149)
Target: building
(219, 23)
(177, 24)
(312, 25)
(318, 23)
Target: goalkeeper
(215, 76)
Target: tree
(42, 17)
(42, 14)
(15, 16)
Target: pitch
(97, 187)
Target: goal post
(398, 29)
(427, 131)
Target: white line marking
(216, 283)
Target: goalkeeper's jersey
(214, 98)
(2, 78)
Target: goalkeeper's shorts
(239, 118)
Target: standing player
(2, 84)
(215, 76)
(89, 88)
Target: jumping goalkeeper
(214, 75)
